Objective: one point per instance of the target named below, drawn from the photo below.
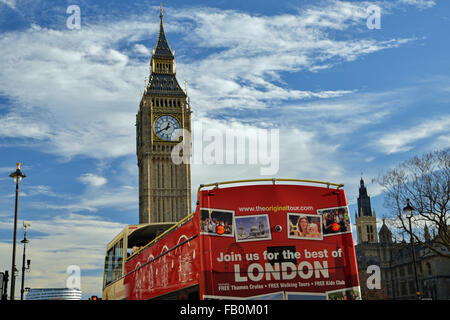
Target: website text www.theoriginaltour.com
(275, 208)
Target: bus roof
(273, 180)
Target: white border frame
(320, 212)
(255, 239)
(304, 214)
(215, 233)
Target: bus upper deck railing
(162, 235)
(273, 180)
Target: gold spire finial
(18, 165)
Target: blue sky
(346, 99)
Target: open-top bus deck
(252, 239)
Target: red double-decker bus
(252, 239)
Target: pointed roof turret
(362, 188)
(427, 235)
(162, 50)
(385, 234)
(364, 207)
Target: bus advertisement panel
(277, 242)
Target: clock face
(164, 127)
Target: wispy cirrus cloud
(419, 3)
(96, 73)
(9, 3)
(77, 239)
(116, 198)
(401, 140)
(253, 52)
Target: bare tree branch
(425, 180)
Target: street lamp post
(408, 211)
(24, 241)
(17, 176)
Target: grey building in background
(53, 294)
(395, 260)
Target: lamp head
(408, 210)
(17, 175)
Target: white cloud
(17, 126)
(77, 93)
(142, 50)
(37, 190)
(252, 51)
(9, 3)
(75, 239)
(125, 198)
(401, 140)
(92, 179)
(419, 3)
(71, 89)
(301, 155)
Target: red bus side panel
(166, 266)
(260, 251)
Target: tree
(425, 180)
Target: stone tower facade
(164, 187)
(365, 219)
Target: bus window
(114, 263)
(117, 261)
(108, 267)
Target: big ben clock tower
(164, 187)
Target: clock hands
(167, 127)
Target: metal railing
(273, 180)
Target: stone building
(395, 260)
(164, 186)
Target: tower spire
(162, 49)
